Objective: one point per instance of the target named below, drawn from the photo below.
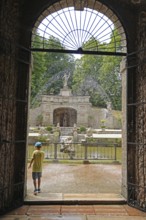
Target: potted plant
(102, 125)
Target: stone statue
(75, 133)
(109, 106)
(65, 120)
(66, 77)
(57, 133)
(89, 132)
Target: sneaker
(35, 192)
(39, 190)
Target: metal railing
(78, 151)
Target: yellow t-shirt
(38, 157)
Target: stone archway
(15, 88)
(74, 24)
(66, 117)
(61, 115)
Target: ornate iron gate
(136, 153)
(14, 69)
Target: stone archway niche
(66, 117)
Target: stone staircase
(66, 131)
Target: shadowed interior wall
(14, 63)
(137, 117)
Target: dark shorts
(36, 175)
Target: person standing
(37, 164)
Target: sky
(74, 28)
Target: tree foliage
(105, 71)
(48, 64)
(94, 75)
(38, 68)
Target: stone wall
(140, 111)
(123, 71)
(93, 116)
(14, 77)
(34, 116)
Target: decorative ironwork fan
(79, 28)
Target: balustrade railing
(80, 151)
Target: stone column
(123, 72)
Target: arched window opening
(79, 27)
(69, 96)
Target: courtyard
(78, 182)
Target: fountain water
(53, 79)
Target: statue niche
(66, 117)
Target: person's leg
(34, 182)
(39, 184)
(39, 181)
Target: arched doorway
(66, 117)
(87, 35)
(14, 137)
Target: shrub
(49, 128)
(42, 138)
(102, 125)
(82, 129)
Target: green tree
(110, 77)
(94, 75)
(48, 64)
(39, 67)
(105, 70)
(87, 65)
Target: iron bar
(72, 26)
(75, 31)
(136, 104)
(78, 151)
(80, 51)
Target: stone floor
(75, 212)
(79, 182)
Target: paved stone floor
(88, 181)
(75, 212)
(77, 181)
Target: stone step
(66, 131)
